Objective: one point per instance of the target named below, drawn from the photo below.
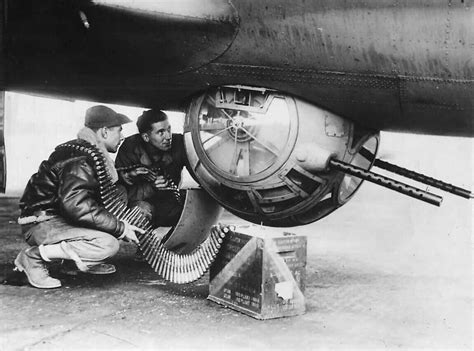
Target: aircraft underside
(383, 65)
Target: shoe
(101, 268)
(30, 262)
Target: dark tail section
(3, 69)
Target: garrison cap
(102, 116)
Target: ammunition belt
(176, 268)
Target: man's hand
(129, 232)
(144, 173)
(139, 172)
(161, 183)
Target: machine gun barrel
(423, 179)
(386, 182)
(450, 188)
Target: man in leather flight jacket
(62, 213)
(150, 164)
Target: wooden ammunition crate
(261, 272)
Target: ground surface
(383, 272)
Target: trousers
(89, 244)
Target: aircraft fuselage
(387, 65)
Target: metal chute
(200, 213)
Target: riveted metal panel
(431, 104)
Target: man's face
(112, 138)
(159, 136)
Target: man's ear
(145, 137)
(104, 132)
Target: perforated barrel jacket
(67, 184)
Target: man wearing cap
(62, 215)
(150, 164)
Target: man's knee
(109, 244)
(97, 247)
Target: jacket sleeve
(126, 155)
(126, 158)
(129, 154)
(78, 191)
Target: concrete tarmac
(383, 272)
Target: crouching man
(149, 163)
(62, 214)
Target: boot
(30, 261)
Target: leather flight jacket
(66, 185)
